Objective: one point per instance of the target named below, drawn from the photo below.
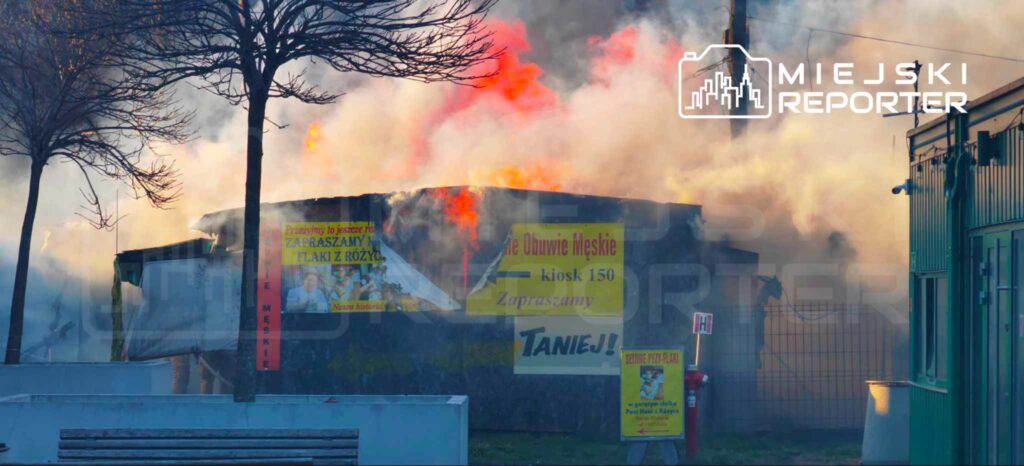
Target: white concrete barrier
(887, 424)
(392, 429)
(111, 378)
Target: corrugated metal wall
(995, 196)
(927, 216)
(929, 427)
(998, 189)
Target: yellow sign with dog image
(651, 393)
(554, 269)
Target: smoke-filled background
(585, 102)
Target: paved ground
(797, 448)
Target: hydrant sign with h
(651, 399)
(702, 323)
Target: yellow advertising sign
(651, 393)
(329, 243)
(554, 269)
(332, 267)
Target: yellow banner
(332, 267)
(554, 269)
(329, 243)
(652, 393)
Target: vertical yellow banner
(651, 399)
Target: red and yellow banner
(268, 300)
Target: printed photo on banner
(336, 288)
(651, 378)
(554, 269)
(344, 267)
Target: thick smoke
(67, 318)
(586, 103)
(559, 31)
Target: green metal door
(992, 355)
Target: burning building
(520, 299)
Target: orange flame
(460, 209)
(515, 83)
(543, 174)
(313, 136)
(514, 90)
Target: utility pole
(917, 96)
(738, 34)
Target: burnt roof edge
(210, 222)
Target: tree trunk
(245, 381)
(181, 371)
(17, 323)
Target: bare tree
(64, 97)
(238, 49)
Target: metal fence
(802, 366)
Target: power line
(706, 69)
(891, 41)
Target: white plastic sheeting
(188, 306)
(400, 273)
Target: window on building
(931, 313)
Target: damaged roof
(552, 205)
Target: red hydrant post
(693, 380)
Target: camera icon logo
(716, 96)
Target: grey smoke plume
(559, 30)
(595, 120)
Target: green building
(966, 188)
